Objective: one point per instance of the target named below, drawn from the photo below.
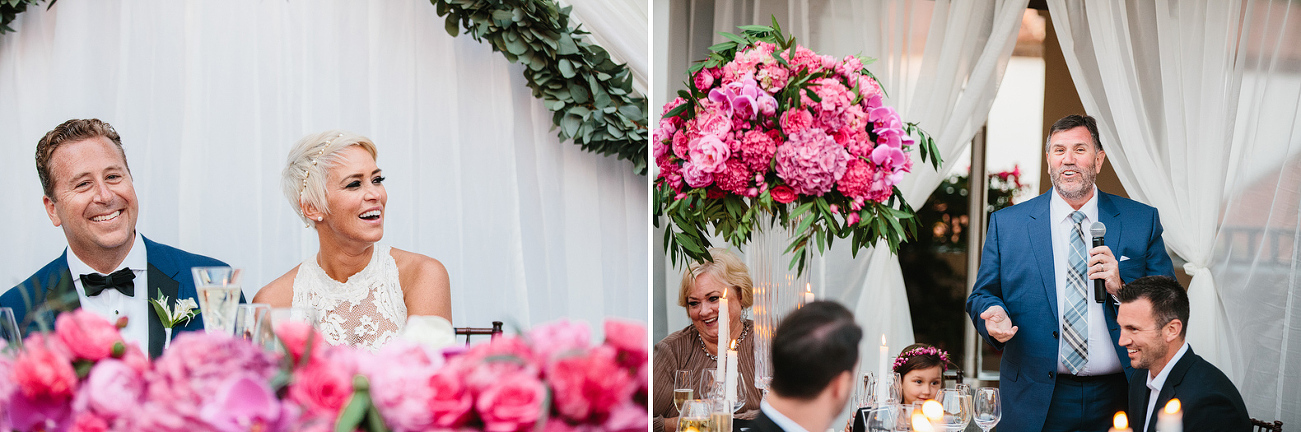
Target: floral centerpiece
(83, 377)
(770, 129)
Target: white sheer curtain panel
(1197, 103)
(941, 62)
(209, 97)
(622, 28)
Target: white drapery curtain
(622, 28)
(941, 62)
(1197, 103)
(209, 97)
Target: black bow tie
(120, 280)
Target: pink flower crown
(906, 355)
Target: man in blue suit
(1153, 321)
(1062, 368)
(112, 270)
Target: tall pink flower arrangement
(764, 123)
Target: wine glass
(720, 416)
(219, 290)
(957, 408)
(682, 388)
(13, 340)
(867, 391)
(694, 416)
(252, 323)
(988, 408)
(888, 417)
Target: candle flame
(733, 345)
(808, 287)
(920, 424)
(1121, 421)
(933, 409)
(882, 339)
(1172, 407)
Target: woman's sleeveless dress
(367, 311)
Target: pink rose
(89, 336)
(512, 403)
(323, 385)
(783, 194)
(559, 337)
(42, 373)
(89, 423)
(703, 80)
(451, 401)
(112, 390)
(680, 141)
(588, 387)
(795, 121)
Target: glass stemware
(891, 417)
(988, 409)
(694, 416)
(13, 340)
(682, 388)
(957, 408)
(219, 290)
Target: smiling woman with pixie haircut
(362, 292)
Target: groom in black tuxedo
(112, 271)
(1152, 317)
(814, 352)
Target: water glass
(694, 416)
(957, 408)
(988, 408)
(682, 388)
(720, 416)
(253, 323)
(13, 340)
(889, 417)
(219, 290)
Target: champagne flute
(694, 416)
(252, 322)
(218, 289)
(988, 408)
(867, 391)
(720, 416)
(682, 388)
(957, 408)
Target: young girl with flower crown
(921, 369)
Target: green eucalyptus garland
(590, 95)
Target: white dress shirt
(782, 421)
(112, 304)
(1102, 350)
(1154, 383)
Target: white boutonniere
(185, 310)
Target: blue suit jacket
(1209, 399)
(1016, 272)
(37, 300)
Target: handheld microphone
(1098, 230)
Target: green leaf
(755, 28)
(569, 125)
(565, 45)
(352, 414)
(452, 25)
(720, 47)
(676, 111)
(740, 41)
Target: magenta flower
(112, 390)
(511, 403)
(558, 338)
(696, 177)
(246, 403)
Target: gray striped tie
(1075, 318)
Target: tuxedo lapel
(1041, 245)
(1172, 382)
(159, 283)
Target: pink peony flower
(588, 387)
(629, 338)
(399, 384)
(795, 121)
(42, 372)
(811, 162)
(44, 413)
(713, 119)
(451, 401)
(135, 358)
(324, 385)
(189, 374)
(246, 403)
(696, 177)
(703, 80)
(295, 335)
(680, 141)
(511, 403)
(672, 104)
(89, 423)
(112, 390)
(783, 194)
(708, 153)
(626, 417)
(87, 335)
(558, 338)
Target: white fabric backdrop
(209, 96)
(1200, 102)
(941, 63)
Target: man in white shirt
(1153, 316)
(814, 352)
(112, 270)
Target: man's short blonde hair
(303, 180)
(727, 268)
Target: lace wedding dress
(366, 311)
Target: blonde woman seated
(695, 348)
(362, 292)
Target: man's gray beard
(1084, 190)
